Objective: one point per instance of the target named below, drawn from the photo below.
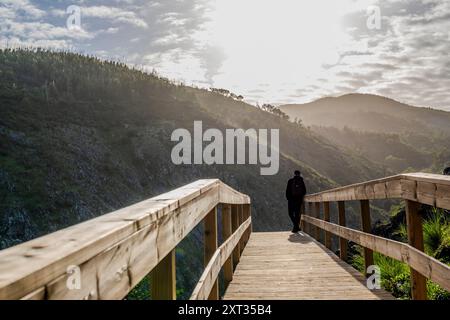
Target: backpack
(297, 188)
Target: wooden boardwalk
(282, 265)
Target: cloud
(269, 54)
(115, 14)
(21, 7)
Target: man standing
(295, 192)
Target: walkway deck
(282, 265)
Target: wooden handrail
(414, 189)
(431, 189)
(430, 267)
(114, 252)
(212, 270)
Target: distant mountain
(369, 113)
(397, 136)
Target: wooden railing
(111, 254)
(414, 189)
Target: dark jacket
(289, 195)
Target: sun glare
(278, 42)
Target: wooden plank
(342, 241)
(211, 247)
(326, 217)
(247, 214)
(209, 276)
(302, 268)
(310, 213)
(426, 193)
(367, 228)
(303, 212)
(317, 231)
(409, 189)
(443, 196)
(163, 279)
(415, 239)
(429, 267)
(38, 294)
(149, 230)
(235, 226)
(380, 190)
(427, 177)
(241, 220)
(419, 187)
(393, 189)
(230, 196)
(226, 233)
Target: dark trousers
(294, 207)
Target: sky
(269, 51)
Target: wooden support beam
(367, 228)
(241, 220)
(235, 226)
(326, 217)
(317, 230)
(211, 246)
(247, 213)
(310, 212)
(343, 243)
(163, 279)
(415, 239)
(302, 212)
(227, 231)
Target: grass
(395, 275)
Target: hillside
(394, 135)
(369, 113)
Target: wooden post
(326, 217)
(163, 279)
(342, 242)
(211, 246)
(302, 212)
(317, 215)
(415, 239)
(241, 221)
(247, 213)
(227, 231)
(235, 226)
(366, 227)
(311, 214)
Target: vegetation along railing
(414, 189)
(111, 254)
